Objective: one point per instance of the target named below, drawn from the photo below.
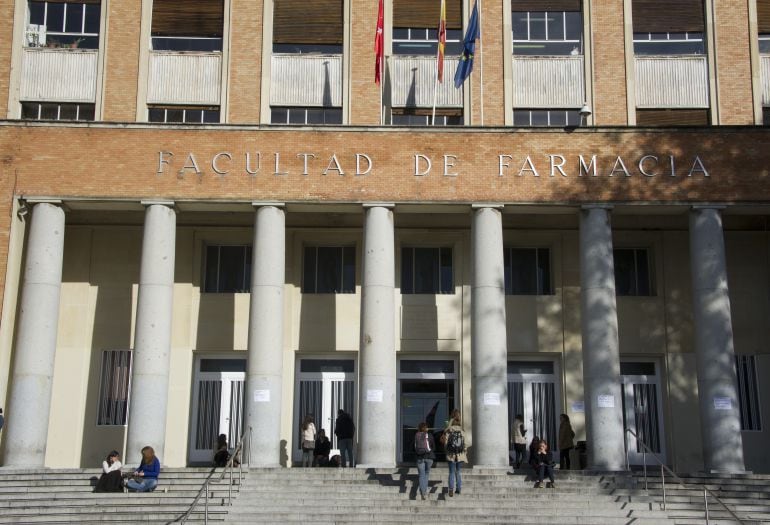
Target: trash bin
(582, 450)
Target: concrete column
(601, 358)
(152, 337)
(264, 372)
(714, 353)
(30, 400)
(489, 352)
(377, 357)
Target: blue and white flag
(469, 48)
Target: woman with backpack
(308, 440)
(453, 439)
(424, 447)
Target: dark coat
(344, 428)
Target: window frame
(305, 109)
(79, 35)
(342, 248)
(650, 270)
(59, 106)
(637, 40)
(438, 249)
(248, 250)
(752, 388)
(454, 39)
(571, 115)
(124, 358)
(578, 44)
(539, 291)
(184, 110)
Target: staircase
(65, 496)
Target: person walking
(345, 429)
(454, 445)
(566, 441)
(424, 449)
(308, 440)
(519, 441)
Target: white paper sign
(578, 407)
(606, 401)
(723, 403)
(491, 398)
(374, 396)
(262, 396)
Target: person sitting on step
(543, 464)
(323, 448)
(145, 477)
(222, 453)
(111, 479)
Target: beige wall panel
(534, 323)
(573, 356)
(677, 291)
(683, 425)
(747, 275)
(641, 325)
(326, 322)
(116, 254)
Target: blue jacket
(151, 471)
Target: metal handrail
(671, 473)
(229, 467)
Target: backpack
(421, 444)
(455, 442)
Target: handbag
(308, 444)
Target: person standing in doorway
(566, 443)
(519, 441)
(454, 445)
(424, 449)
(307, 431)
(2, 420)
(345, 429)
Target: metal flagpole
(438, 57)
(481, 64)
(382, 89)
(435, 95)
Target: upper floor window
(64, 24)
(426, 271)
(187, 25)
(308, 27)
(668, 27)
(56, 111)
(748, 392)
(187, 115)
(228, 269)
(415, 27)
(527, 271)
(546, 117)
(764, 44)
(329, 269)
(306, 116)
(424, 117)
(632, 272)
(551, 27)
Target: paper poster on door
(606, 401)
(374, 396)
(723, 403)
(262, 396)
(491, 399)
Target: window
(186, 115)
(306, 116)
(527, 271)
(764, 44)
(680, 43)
(56, 111)
(426, 271)
(415, 27)
(187, 25)
(114, 387)
(748, 392)
(228, 269)
(424, 117)
(632, 272)
(64, 24)
(546, 117)
(308, 27)
(329, 269)
(547, 32)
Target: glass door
(534, 394)
(642, 410)
(217, 405)
(324, 386)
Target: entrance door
(642, 410)
(427, 394)
(323, 387)
(217, 405)
(533, 392)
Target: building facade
(214, 221)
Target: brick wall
(490, 50)
(364, 93)
(609, 63)
(245, 61)
(6, 28)
(122, 61)
(733, 59)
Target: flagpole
(481, 65)
(382, 89)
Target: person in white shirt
(308, 440)
(111, 479)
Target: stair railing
(204, 491)
(663, 468)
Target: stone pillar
(717, 383)
(152, 337)
(264, 372)
(489, 352)
(601, 358)
(30, 399)
(377, 357)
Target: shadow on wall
(318, 322)
(216, 322)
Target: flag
(441, 41)
(379, 46)
(469, 48)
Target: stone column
(152, 337)
(30, 399)
(264, 372)
(377, 431)
(601, 358)
(489, 352)
(717, 383)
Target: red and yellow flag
(441, 42)
(379, 46)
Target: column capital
(389, 205)
(41, 200)
(263, 204)
(160, 202)
(479, 205)
(718, 207)
(597, 206)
